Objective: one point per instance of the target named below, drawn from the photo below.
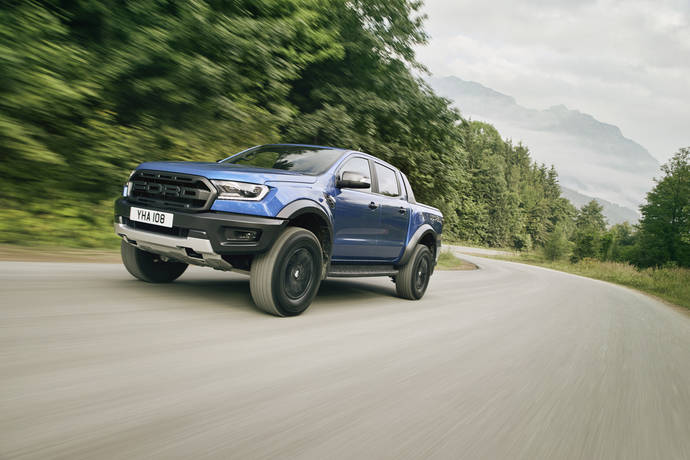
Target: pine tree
(590, 225)
(665, 225)
(557, 245)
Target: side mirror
(351, 179)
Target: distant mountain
(592, 158)
(614, 213)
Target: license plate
(164, 219)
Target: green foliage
(618, 243)
(669, 283)
(508, 201)
(590, 226)
(448, 261)
(557, 245)
(90, 89)
(660, 246)
(664, 235)
(591, 216)
(587, 245)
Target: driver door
(356, 217)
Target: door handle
(402, 210)
(373, 205)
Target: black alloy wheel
(421, 279)
(413, 278)
(285, 279)
(298, 274)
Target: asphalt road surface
(508, 361)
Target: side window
(358, 165)
(388, 182)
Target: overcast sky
(624, 62)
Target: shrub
(557, 245)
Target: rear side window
(408, 188)
(358, 165)
(388, 181)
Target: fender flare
(416, 236)
(304, 206)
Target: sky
(625, 62)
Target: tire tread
(261, 277)
(405, 278)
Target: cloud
(625, 62)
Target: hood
(229, 171)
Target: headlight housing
(127, 189)
(232, 190)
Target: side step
(353, 271)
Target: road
(506, 362)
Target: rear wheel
(149, 267)
(413, 278)
(285, 279)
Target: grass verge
(671, 284)
(57, 254)
(448, 261)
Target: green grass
(450, 241)
(59, 223)
(671, 284)
(448, 261)
(42, 253)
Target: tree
(618, 243)
(557, 245)
(665, 224)
(368, 99)
(91, 88)
(590, 224)
(591, 216)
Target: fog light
(246, 236)
(241, 234)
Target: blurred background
(90, 88)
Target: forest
(91, 88)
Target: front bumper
(201, 238)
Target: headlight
(127, 189)
(231, 190)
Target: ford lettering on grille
(168, 190)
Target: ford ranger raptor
(286, 215)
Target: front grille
(171, 190)
(171, 231)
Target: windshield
(305, 160)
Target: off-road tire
(413, 277)
(285, 279)
(149, 267)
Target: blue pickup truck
(287, 215)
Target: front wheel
(285, 279)
(149, 267)
(413, 277)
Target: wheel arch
(425, 235)
(309, 215)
